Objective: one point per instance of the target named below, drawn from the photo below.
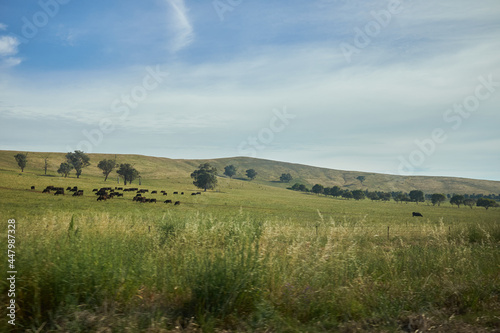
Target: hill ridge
(268, 171)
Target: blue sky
(399, 86)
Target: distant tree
(22, 160)
(107, 166)
(361, 179)
(347, 194)
(205, 177)
(286, 178)
(128, 173)
(336, 191)
(457, 199)
(230, 171)
(373, 196)
(486, 203)
(251, 173)
(46, 163)
(78, 160)
(358, 194)
(470, 202)
(295, 187)
(437, 198)
(385, 196)
(417, 196)
(318, 189)
(65, 169)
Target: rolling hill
(268, 173)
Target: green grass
(248, 257)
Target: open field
(246, 257)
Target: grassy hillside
(155, 168)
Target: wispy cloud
(8, 48)
(181, 25)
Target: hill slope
(268, 173)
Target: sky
(406, 87)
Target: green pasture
(245, 257)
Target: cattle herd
(106, 193)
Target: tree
(205, 177)
(347, 194)
(417, 196)
(336, 191)
(373, 196)
(470, 202)
(107, 166)
(486, 203)
(128, 173)
(46, 163)
(457, 200)
(358, 194)
(65, 169)
(318, 189)
(286, 178)
(437, 198)
(22, 160)
(78, 160)
(230, 171)
(361, 179)
(251, 173)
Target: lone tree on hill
(486, 203)
(361, 179)
(251, 173)
(286, 178)
(417, 196)
(230, 171)
(22, 160)
(437, 198)
(128, 173)
(205, 177)
(107, 166)
(78, 160)
(457, 200)
(65, 169)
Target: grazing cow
(165, 193)
(177, 203)
(46, 191)
(59, 192)
(102, 198)
(154, 192)
(182, 193)
(32, 187)
(168, 201)
(176, 192)
(199, 193)
(68, 188)
(152, 200)
(95, 190)
(417, 214)
(193, 193)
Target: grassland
(246, 257)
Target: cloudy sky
(392, 86)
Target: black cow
(59, 192)
(95, 190)
(46, 191)
(417, 214)
(154, 192)
(168, 201)
(32, 187)
(193, 193)
(176, 192)
(177, 203)
(165, 193)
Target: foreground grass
(89, 272)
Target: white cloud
(180, 25)
(3, 26)
(8, 45)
